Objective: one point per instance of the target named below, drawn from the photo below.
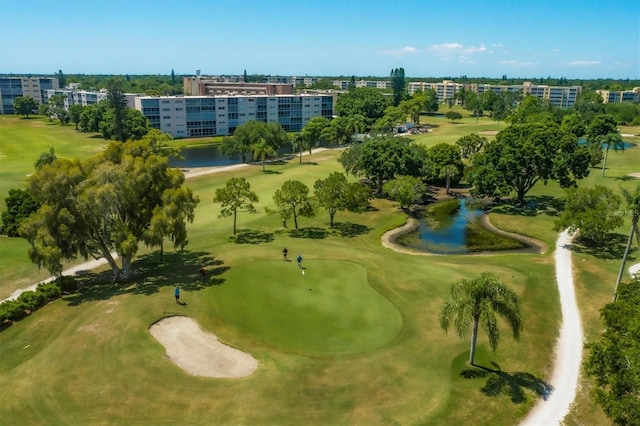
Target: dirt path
(564, 381)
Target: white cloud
(399, 52)
(466, 60)
(446, 47)
(517, 64)
(497, 45)
(472, 49)
(584, 63)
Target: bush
(66, 284)
(12, 310)
(51, 290)
(32, 300)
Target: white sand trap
(200, 353)
(635, 175)
(634, 270)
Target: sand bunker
(200, 353)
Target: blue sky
(581, 39)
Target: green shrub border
(30, 301)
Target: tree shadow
(308, 163)
(512, 384)
(150, 275)
(612, 248)
(533, 206)
(251, 236)
(348, 229)
(310, 232)
(625, 178)
(271, 172)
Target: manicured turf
(331, 308)
(89, 359)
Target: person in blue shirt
(177, 294)
(299, 259)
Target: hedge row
(30, 301)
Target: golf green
(331, 308)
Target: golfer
(299, 259)
(177, 294)
(284, 253)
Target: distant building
(561, 96)
(33, 87)
(376, 84)
(194, 116)
(78, 97)
(202, 86)
(617, 96)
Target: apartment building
(376, 84)
(561, 96)
(78, 97)
(33, 87)
(194, 116)
(200, 86)
(444, 90)
(613, 96)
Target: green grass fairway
(329, 309)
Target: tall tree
(398, 85)
(117, 102)
(62, 79)
(406, 190)
(593, 211)
(101, 205)
(24, 105)
(367, 101)
(75, 112)
(46, 158)
(612, 360)
(633, 207)
(441, 155)
(471, 144)
(19, 206)
(449, 172)
(610, 140)
(261, 150)
(478, 302)
(236, 196)
(335, 194)
(293, 200)
(313, 131)
(522, 155)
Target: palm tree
(477, 302)
(448, 172)
(607, 141)
(262, 150)
(298, 143)
(46, 158)
(633, 205)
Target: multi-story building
(444, 90)
(33, 87)
(376, 84)
(199, 86)
(561, 96)
(78, 97)
(613, 96)
(193, 116)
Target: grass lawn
(362, 346)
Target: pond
(625, 144)
(211, 156)
(203, 156)
(455, 227)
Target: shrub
(66, 284)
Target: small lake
(625, 144)
(204, 156)
(454, 227)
